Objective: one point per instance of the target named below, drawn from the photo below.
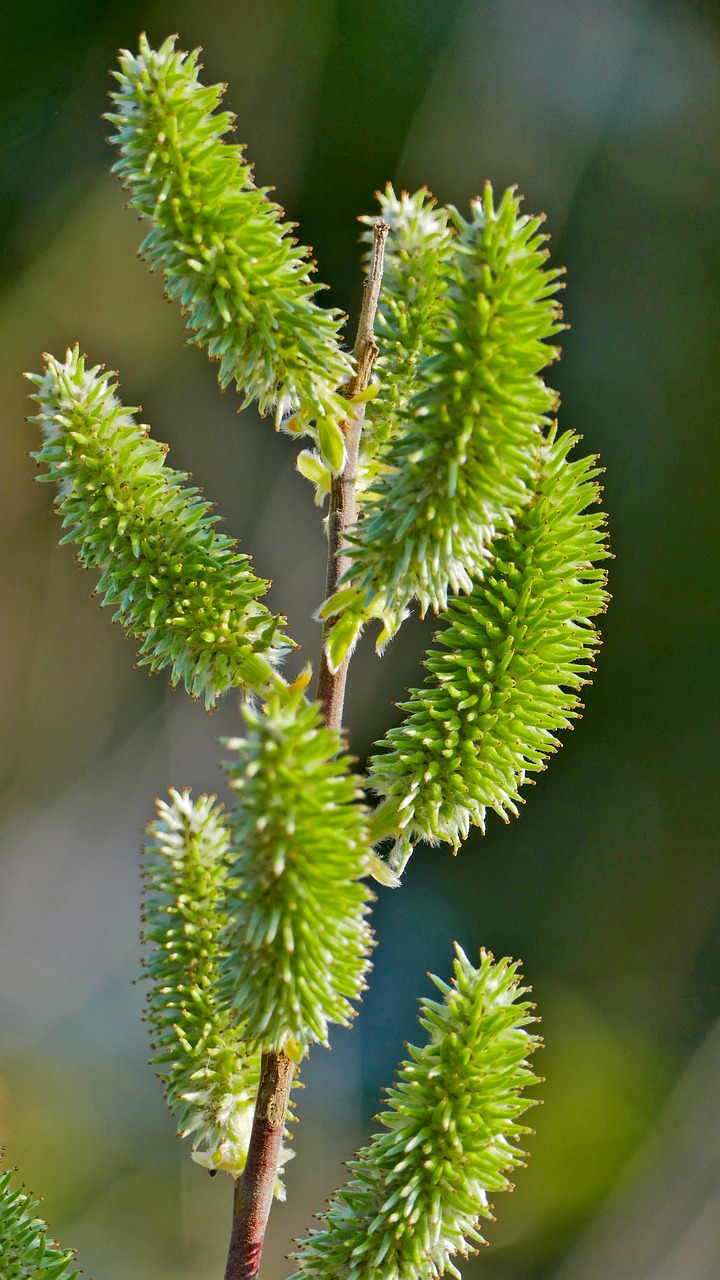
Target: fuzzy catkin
(410, 305)
(461, 466)
(505, 671)
(418, 253)
(26, 1252)
(297, 943)
(242, 281)
(211, 1076)
(178, 586)
(421, 1187)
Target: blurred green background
(606, 113)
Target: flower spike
(298, 941)
(421, 1187)
(418, 252)
(461, 467)
(242, 281)
(210, 1074)
(505, 672)
(176, 584)
(26, 1253)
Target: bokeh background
(606, 113)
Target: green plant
(25, 1250)
(448, 485)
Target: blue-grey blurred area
(606, 113)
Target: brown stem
(343, 494)
(254, 1188)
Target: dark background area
(606, 113)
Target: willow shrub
(256, 921)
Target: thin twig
(343, 495)
(253, 1192)
(254, 1189)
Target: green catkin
(176, 584)
(461, 467)
(26, 1252)
(211, 1077)
(411, 302)
(504, 674)
(421, 1187)
(296, 948)
(410, 309)
(242, 281)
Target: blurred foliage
(606, 114)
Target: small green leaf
(294, 1050)
(338, 603)
(382, 872)
(313, 468)
(385, 821)
(341, 638)
(364, 397)
(331, 442)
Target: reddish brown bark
(254, 1188)
(343, 513)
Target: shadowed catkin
(412, 302)
(211, 1076)
(176, 584)
(506, 670)
(26, 1253)
(297, 943)
(243, 282)
(421, 1187)
(461, 466)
